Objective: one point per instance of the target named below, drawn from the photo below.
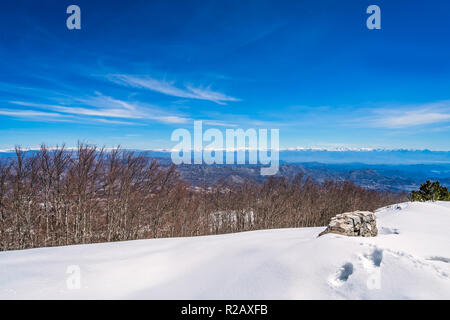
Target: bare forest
(60, 197)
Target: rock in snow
(408, 259)
(356, 223)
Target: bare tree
(61, 197)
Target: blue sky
(137, 70)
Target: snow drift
(409, 259)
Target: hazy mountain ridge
(342, 155)
(395, 170)
(394, 178)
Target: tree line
(61, 197)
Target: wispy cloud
(34, 115)
(95, 107)
(398, 117)
(109, 112)
(71, 105)
(27, 113)
(219, 123)
(108, 121)
(99, 108)
(413, 118)
(169, 88)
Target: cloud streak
(34, 115)
(27, 113)
(168, 88)
(413, 118)
(409, 116)
(95, 107)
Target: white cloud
(398, 117)
(110, 113)
(57, 117)
(413, 118)
(107, 121)
(27, 113)
(99, 106)
(168, 88)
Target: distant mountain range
(338, 155)
(395, 170)
(405, 175)
(379, 177)
(367, 156)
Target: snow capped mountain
(409, 259)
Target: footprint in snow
(377, 257)
(342, 275)
(441, 259)
(385, 230)
(372, 260)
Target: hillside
(409, 259)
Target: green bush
(430, 191)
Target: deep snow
(409, 259)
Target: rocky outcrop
(357, 223)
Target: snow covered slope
(409, 259)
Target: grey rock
(357, 223)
